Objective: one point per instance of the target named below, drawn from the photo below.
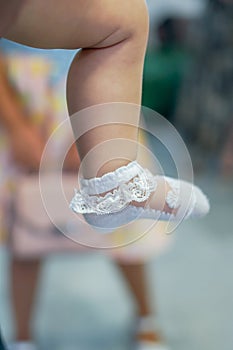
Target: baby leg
(113, 36)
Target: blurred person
(108, 37)
(27, 119)
(165, 65)
(32, 92)
(205, 110)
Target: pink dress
(42, 94)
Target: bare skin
(9, 11)
(26, 146)
(25, 274)
(109, 67)
(135, 275)
(113, 37)
(24, 282)
(24, 278)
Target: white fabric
(111, 180)
(137, 187)
(128, 183)
(151, 346)
(114, 209)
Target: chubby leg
(113, 37)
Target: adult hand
(26, 146)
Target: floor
(191, 285)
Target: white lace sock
(132, 192)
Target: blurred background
(176, 291)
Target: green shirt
(163, 72)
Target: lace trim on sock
(138, 189)
(111, 180)
(126, 184)
(172, 197)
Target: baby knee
(134, 21)
(124, 19)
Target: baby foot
(132, 192)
